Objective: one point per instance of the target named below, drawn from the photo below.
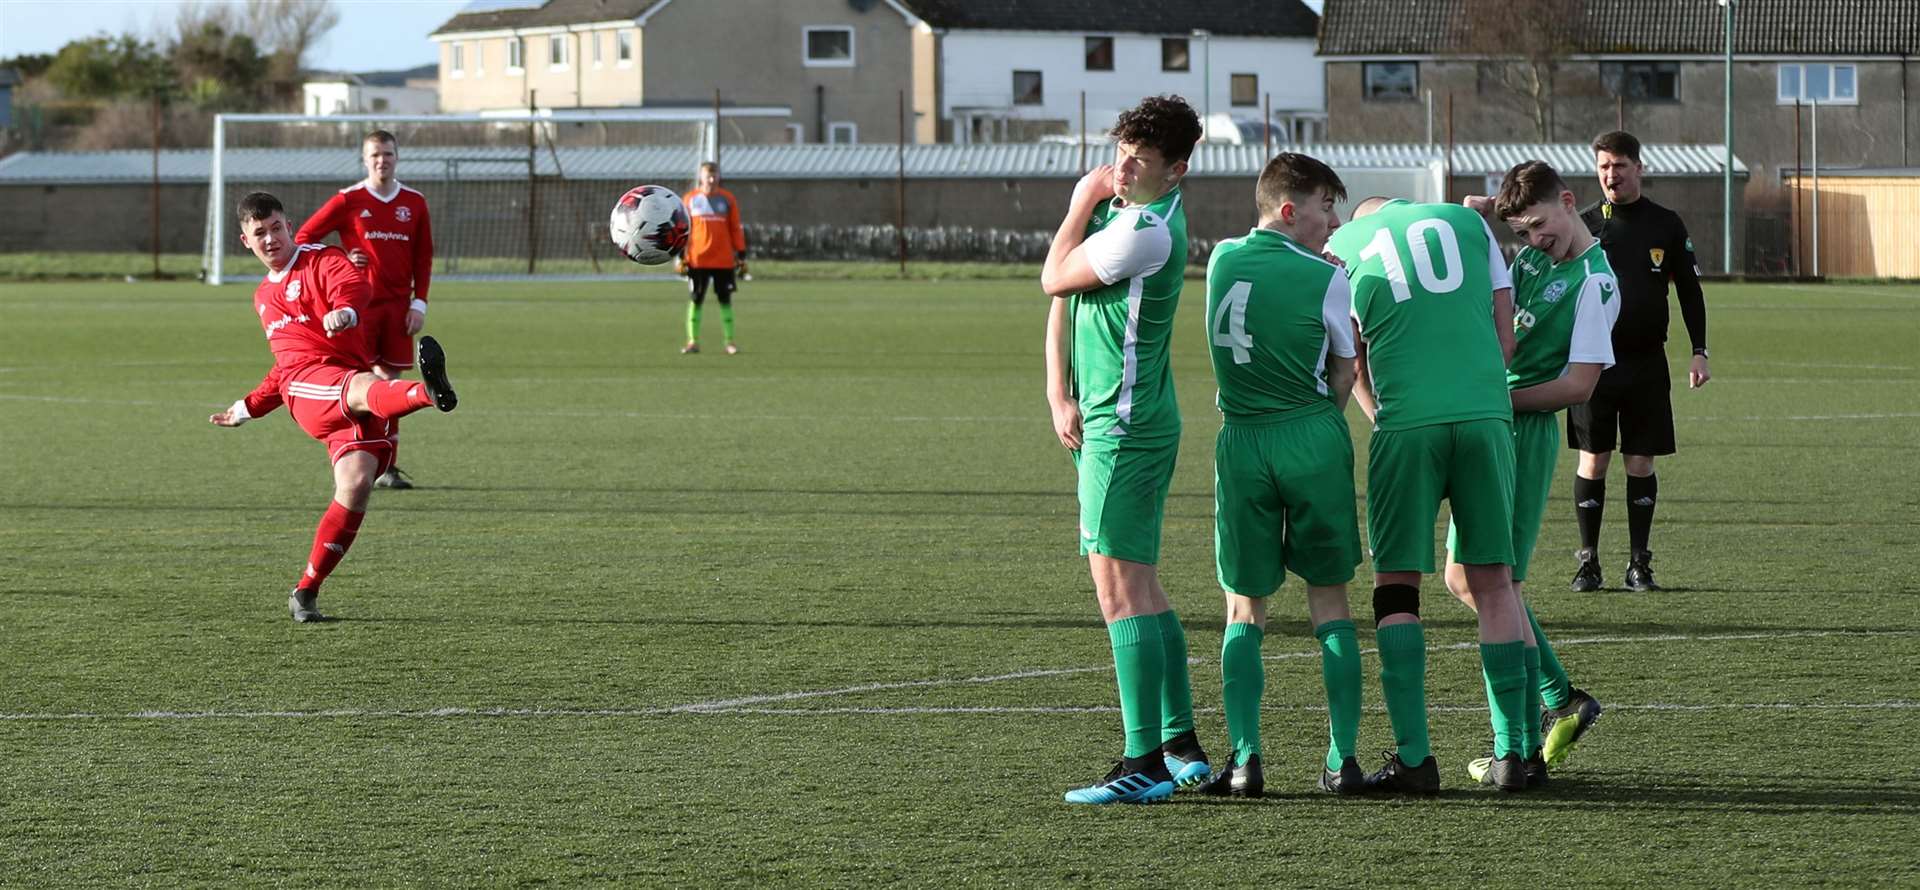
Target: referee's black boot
(1586, 579)
(1640, 572)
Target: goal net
(508, 194)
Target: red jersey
(717, 240)
(393, 231)
(291, 304)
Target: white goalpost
(524, 192)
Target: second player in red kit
(384, 227)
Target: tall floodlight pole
(1726, 165)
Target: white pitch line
(752, 704)
(1797, 417)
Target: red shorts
(384, 325)
(317, 399)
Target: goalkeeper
(716, 252)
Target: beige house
(837, 67)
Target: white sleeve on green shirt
(1336, 313)
(1124, 250)
(1593, 320)
(1496, 261)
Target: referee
(1647, 245)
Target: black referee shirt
(1647, 245)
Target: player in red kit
(311, 305)
(383, 226)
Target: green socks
(1340, 673)
(1505, 667)
(1403, 680)
(1242, 680)
(1554, 685)
(693, 322)
(1531, 738)
(726, 320)
(1176, 692)
(1140, 665)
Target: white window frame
(598, 57)
(1780, 97)
(806, 44)
(557, 45)
(849, 127)
(797, 133)
(1366, 93)
(516, 54)
(457, 60)
(623, 48)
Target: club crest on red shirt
(293, 290)
(402, 214)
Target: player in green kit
(1565, 303)
(1115, 271)
(1283, 348)
(1433, 304)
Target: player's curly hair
(1166, 124)
(1292, 176)
(258, 205)
(1527, 184)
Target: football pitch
(812, 615)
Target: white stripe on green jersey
(1122, 330)
(1423, 278)
(1274, 312)
(1551, 331)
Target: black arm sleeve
(1686, 286)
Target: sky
(373, 35)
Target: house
(374, 92)
(965, 70)
(1570, 69)
(1013, 69)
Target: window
(829, 47)
(843, 133)
(1390, 81)
(1818, 82)
(624, 43)
(596, 48)
(1650, 81)
(1026, 88)
(516, 52)
(458, 64)
(1246, 89)
(1175, 54)
(379, 104)
(479, 59)
(557, 52)
(796, 133)
(1099, 54)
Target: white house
(377, 92)
(1007, 66)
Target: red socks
(394, 399)
(330, 542)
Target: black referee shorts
(1631, 410)
(720, 279)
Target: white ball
(649, 225)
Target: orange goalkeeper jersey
(717, 241)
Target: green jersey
(1275, 311)
(1122, 329)
(1423, 277)
(1562, 313)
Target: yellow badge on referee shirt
(1659, 254)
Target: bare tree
(1523, 44)
(287, 30)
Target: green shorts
(1283, 501)
(1536, 447)
(1123, 495)
(1469, 464)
